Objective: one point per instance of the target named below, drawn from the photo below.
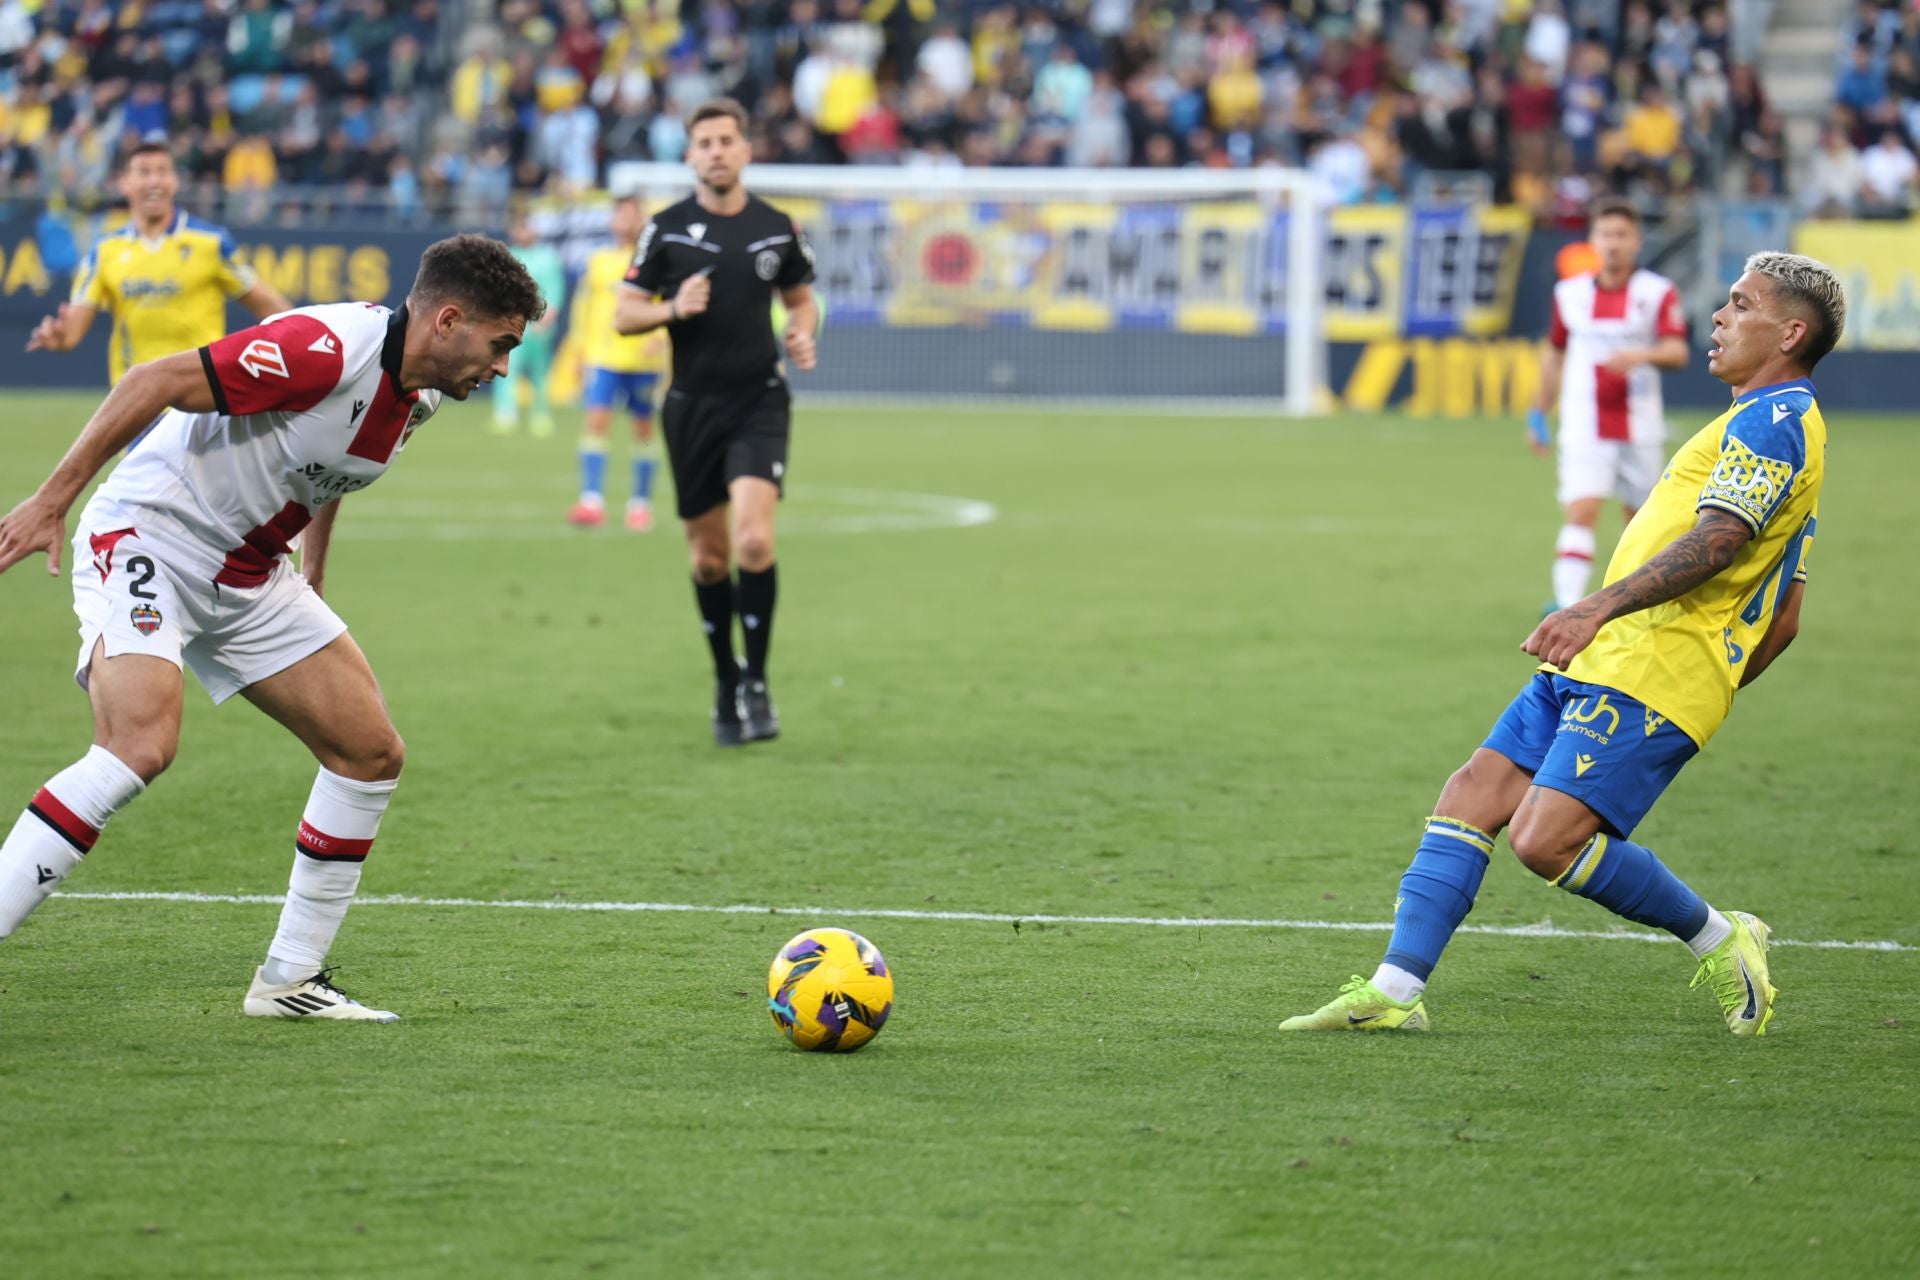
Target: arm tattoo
(1689, 560)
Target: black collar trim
(395, 345)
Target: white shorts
(1620, 469)
(151, 592)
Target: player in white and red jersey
(180, 560)
(1613, 332)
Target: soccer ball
(829, 990)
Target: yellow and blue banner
(1879, 266)
(1191, 267)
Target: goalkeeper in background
(533, 359)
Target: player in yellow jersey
(166, 276)
(1703, 593)
(618, 370)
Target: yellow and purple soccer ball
(829, 991)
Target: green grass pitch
(1190, 667)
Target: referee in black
(707, 268)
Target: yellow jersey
(1763, 460)
(167, 294)
(605, 348)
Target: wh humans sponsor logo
(1746, 481)
(137, 290)
(1579, 716)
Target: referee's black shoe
(727, 731)
(759, 721)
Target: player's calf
(335, 836)
(60, 825)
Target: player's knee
(379, 759)
(710, 565)
(1473, 797)
(754, 547)
(1545, 852)
(148, 757)
(390, 757)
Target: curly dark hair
(479, 273)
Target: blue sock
(593, 471)
(1629, 881)
(643, 478)
(1436, 893)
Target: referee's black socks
(716, 616)
(753, 597)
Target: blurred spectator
(946, 61)
(1549, 38)
(1653, 129)
(1863, 85)
(1833, 178)
(1887, 173)
(1873, 25)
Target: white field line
(402, 519)
(1544, 930)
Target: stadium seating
(418, 107)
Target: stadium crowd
(1552, 102)
(411, 105)
(1864, 165)
(253, 95)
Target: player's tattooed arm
(1689, 560)
(1694, 557)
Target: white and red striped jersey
(309, 409)
(1590, 324)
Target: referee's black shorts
(715, 437)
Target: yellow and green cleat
(1361, 1006)
(1737, 972)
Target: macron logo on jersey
(326, 345)
(263, 357)
(1782, 412)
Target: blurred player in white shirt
(1613, 332)
(180, 560)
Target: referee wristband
(673, 308)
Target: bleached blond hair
(1811, 286)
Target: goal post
(1185, 286)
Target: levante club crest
(146, 619)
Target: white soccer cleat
(313, 997)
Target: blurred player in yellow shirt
(618, 370)
(166, 276)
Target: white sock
(1397, 984)
(1572, 564)
(57, 829)
(1711, 935)
(336, 834)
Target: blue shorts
(605, 390)
(1606, 750)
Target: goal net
(1069, 285)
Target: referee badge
(146, 619)
(766, 264)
